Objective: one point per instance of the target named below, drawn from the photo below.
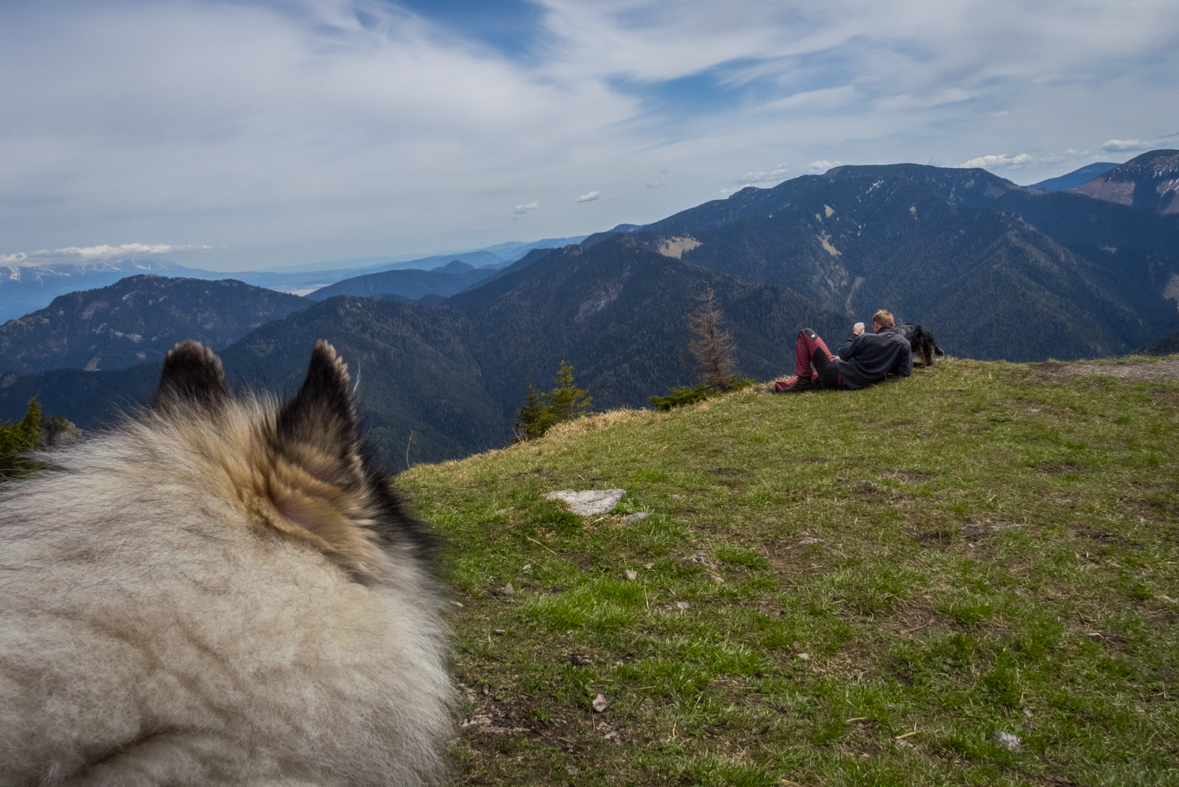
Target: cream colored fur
(162, 622)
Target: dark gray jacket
(870, 357)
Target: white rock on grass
(590, 502)
(1008, 741)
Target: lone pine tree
(714, 348)
(565, 402)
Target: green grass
(984, 547)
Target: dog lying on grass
(921, 341)
(222, 591)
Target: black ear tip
(191, 373)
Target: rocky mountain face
(995, 270)
(1148, 182)
(439, 383)
(135, 320)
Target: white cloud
(592, 196)
(1120, 145)
(103, 253)
(827, 98)
(303, 130)
(1001, 161)
(520, 210)
(774, 174)
(822, 166)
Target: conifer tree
(566, 399)
(15, 439)
(534, 418)
(714, 349)
(565, 402)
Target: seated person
(864, 359)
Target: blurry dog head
(299, 468)
(221, 590)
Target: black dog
(922, 341)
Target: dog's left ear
(318, 428)
(191, 374)
(319, 485)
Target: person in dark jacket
(864, 359)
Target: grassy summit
(983, 548)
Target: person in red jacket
(864, 359)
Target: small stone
(509, 590)
(589, 502)
(486, 690)
(972, 530)
(648, 566)
(499, 632)
(805, 533)
(527, 567)
(698, 559)
(630, 519)
(717, 579)
(677, 497)
(600, 703)
(904, 745)
(1028, 712)
(572, 770)
(1006, 740)
(631, 576)
(812, 540)
(681, 605)
(803, 656)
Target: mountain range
(137, 319)
(27, 287)
(1149, 182)
(995, 270)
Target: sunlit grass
(851, 588)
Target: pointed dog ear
(319, 485)
(319, 427)
(191, 374)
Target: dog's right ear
(192, 373)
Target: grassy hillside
(983, 548)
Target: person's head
(883, 319)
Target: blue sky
(234, 134)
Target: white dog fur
(221, 591)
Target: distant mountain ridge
(446, 280)
(1075, 178)
(994, 269)
(137, 319)
(26, 288)
(1147, 182)
(439, 383)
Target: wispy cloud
(296, 130)
(1000, 161)
(520, 210)
(773, 174)
(1121, 145)
(822, 166)
(104, 253)
(592, 196)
